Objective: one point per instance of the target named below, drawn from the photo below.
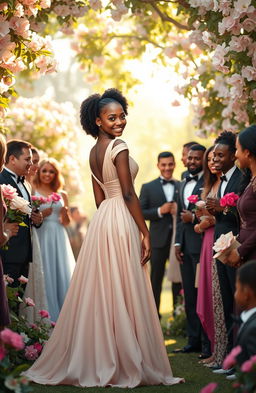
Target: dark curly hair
(92, 106)
(227, 138)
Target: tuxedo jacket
(246, 337)
(189, 240)
(19, 247)
(230, 221)
(151, 197)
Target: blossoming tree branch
(211, 43)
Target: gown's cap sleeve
(117, 149)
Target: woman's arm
(4, 236)
(131, 200)
(64, 212)
(98, 192)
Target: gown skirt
(108, 332)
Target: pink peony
(2, 353)
(31, 353)
(209, 388)
(247, 366)
(193, 199)
(23, 280)
(44, 314)
(38, 347)
(11, 338)
(29, 302)
(230, 359)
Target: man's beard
(195, 171)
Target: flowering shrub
(176, 323)
(11, 344)
(245, 375)
(33, 335)
(51, 127)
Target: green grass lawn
(183, 365)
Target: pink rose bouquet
(229, 202)
(54, 197)
(37, 201)
(17, 207)
(193, 199)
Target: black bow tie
(20, 179)
(189, 178)
(163, 181)
(223, 178)
(237, 319)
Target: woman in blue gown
(57, 255)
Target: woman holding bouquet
(57, 255)
(209, 301)
(246, 205)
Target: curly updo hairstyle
(92, 106)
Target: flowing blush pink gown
(108, 332)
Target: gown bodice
(111, 185)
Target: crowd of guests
(44, 239)
(229, 166)
(179, 232)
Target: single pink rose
(2, 353)
(209, 388)
(230, 359)
(29, 302)
(23, 280)
(55, 197)
(9, 192)
(53, 324)
(8, 279)
(44, 314)
(31, 353)
(11, 338)
(193, 199)
(247, 366)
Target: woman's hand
(64, 216)
(213, 205)
(47, 212)
(233, 258)
(145, 250)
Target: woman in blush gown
(108, 331)
(57, 256)
(209, 301)
(246, 205)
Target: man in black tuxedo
(224, 158)
(19, 253)
(157, 202)
(188, 248)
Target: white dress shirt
(20, 184)
(225, 182)
(245, 315)
(189, 187)
(168, 190)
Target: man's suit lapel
(160, 190)
(232, 184)
(243, 326)
(182, 186)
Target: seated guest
(246, 205)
